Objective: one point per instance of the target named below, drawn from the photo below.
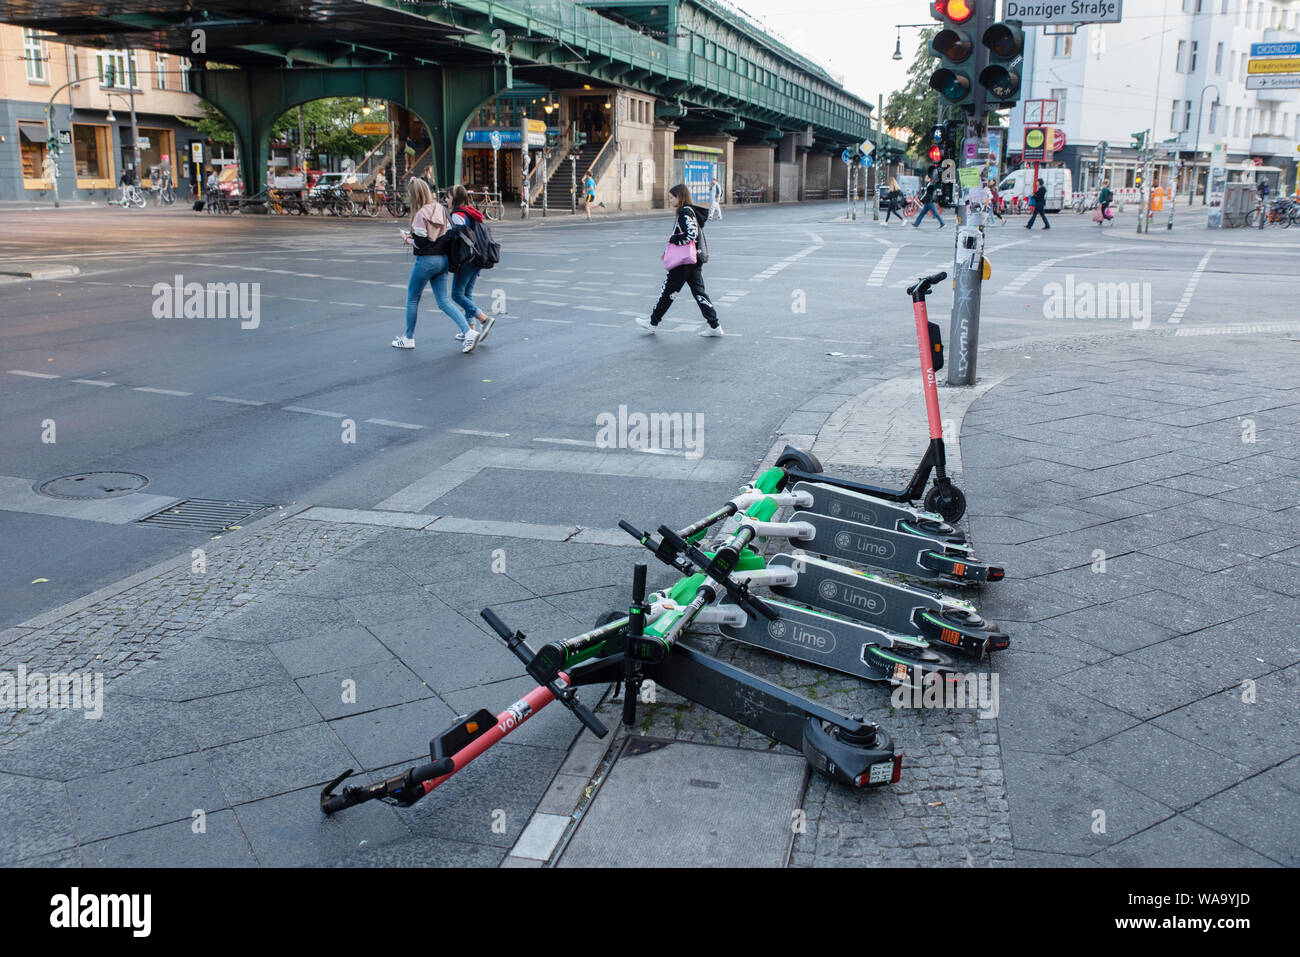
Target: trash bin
(1158, 199)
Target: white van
(1057, 179)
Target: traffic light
(1139, 141)
(1005, 42)
(936, 154)
(954, 45)
(1138, 181)
(936, 135)
(579, 138)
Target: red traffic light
(936, 154)
(958, 11)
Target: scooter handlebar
(921, 288)
(499, 626)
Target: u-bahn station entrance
(524, 96)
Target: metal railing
(602, 160)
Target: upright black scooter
(944, 497)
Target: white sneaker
(646, 324)
(471, 341)
(485, 326)
(401, 342)
(711, 332)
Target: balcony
(1271, 144)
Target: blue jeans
(1038, 211)
(462, 290)
(928, 208)
(431, 270)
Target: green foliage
(333, 118)
(915, 108)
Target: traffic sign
(495, 139)
(1275, 49)
(362, 128)
(1278, 81)
(1076, 11)
(846, 157)
(1273, 65)
(1035, 144)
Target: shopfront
(697, 166)
(479, 157)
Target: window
(185, 74)
(91, 151)
(1243, 69)
(1187, 115)
(1173, 116)
(1180, 64)
(1214, 117)
(1191, 66)
(1236, 122)
(35, 55)
(1063, 46)
(122, 61)
(1059, 96)
(1218, 59)
(160, 71)
(31, 138)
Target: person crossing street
(684, 263)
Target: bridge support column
(753, 168)
(818, 176)
(447, 100)
(663, 139)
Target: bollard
(964, 334)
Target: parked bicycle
(1280, 212)
(163, 192)
(131, 195)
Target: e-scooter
(944, 497)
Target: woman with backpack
(464, 219)
(428, 238)
(1104, 199)
(683, 256)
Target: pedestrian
(683, 264)
(210, 190)
(930, 201)
(381, 184)
(893, 198)
(1040, 207)
(1104, 199)
(589, 189)
(715, 198)
(428, 238)
(995, 200)
(464, 217)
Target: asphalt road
(207, 409)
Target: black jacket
(690, 223)
(1040, 197)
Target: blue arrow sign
(846, 157)
(1275, 49)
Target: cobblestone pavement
(118, 633)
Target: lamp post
(129, 96)
(1197, 143)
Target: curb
(52, 271)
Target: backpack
(487, 251)
(460, 250)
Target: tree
(332, 119)
(915, 108)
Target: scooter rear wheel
(947, 500)
(918, 661)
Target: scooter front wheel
(947, 500)
(904, 664)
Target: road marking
(1241, 329)
(1001, 246)
(1025, 277)
(226, 398)
(548, 302)
(1186, 301)
(306, 411)
(608, 325)
(582, 442)
(592, 308)
(395, 425)
(490, 435)
(141, 388)
(630, 314)
(299, 299)
(335, 302)
(34, 375)
(776, 267)
(98, 382)
(877, 277)
(558, 322)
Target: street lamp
(1197, 143)
(129, 96)
(898, 45)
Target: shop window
(31, 137)
(91, 151)
(160, 149)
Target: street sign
(495, 139)
(1273, 65)
(846, 157)
(1055, 140)
(1040, 111)
(143, 142)
(1035, 144)
(1275, 49)
(1279, 81)
(363, 128)
(1071, 11)
(65, 137)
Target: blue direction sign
(495, 138)
(847, 157)
(1275, 49)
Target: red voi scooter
(944, 497)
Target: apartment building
(92, 121)
(1178, 68)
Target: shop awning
(31, 131)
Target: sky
(852, 38)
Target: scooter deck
(917, 556)
(824, 640)
(868, 510)
(891, 606)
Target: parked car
(329, 181)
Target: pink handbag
(683, 255)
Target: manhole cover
(86, 485)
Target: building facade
(92, 121)
(1179, 69)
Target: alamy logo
(74, 909)
(973, 690)
(76, 691)
(655, 432)
(1098, 300)
(213, 300)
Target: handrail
(560, 148)
(602, 160)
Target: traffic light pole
(880, 120)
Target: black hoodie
(690, 222)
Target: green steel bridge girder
(253, 99)
(533, 33)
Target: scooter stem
(927, 368)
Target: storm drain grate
(206, 514)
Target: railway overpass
(662, 83)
